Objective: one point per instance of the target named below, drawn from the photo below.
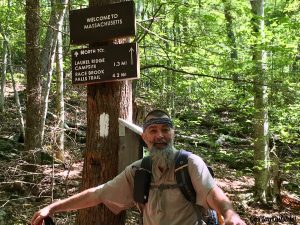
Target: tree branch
(142, 36)
(194, 74)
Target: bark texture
(59, 151)
(33, 103)
(58, 10)
(261, 125)
(105, 104)
(3, 76)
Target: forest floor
(25, 187)
(23, 192)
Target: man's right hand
(39, 216)
(84, 199)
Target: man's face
(158, 136)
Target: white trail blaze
(104, 124)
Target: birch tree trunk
(58, 10)
(60, 95)
(33, 104)
(261, 126)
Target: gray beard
(163, 157)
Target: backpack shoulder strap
(142, 180)
(182, 175)
(187, 189)
(146, 164)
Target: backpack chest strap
(162, 187)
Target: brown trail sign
(103, 23)
(105, 63)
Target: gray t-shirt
(164, 207)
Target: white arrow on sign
(76, 54)
(131, 50)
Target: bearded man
(164, 206)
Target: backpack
(142, 180)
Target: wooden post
(131, 148)
(106, 103)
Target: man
(164, 207)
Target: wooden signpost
(107, 71)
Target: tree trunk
(231, 36)
(20, 114)
(58, 10)
(106, 103)
(60, 95)
(261, 126)
(7, 60)
(33, 104)
(4, 69)
(275, 179)
(296, 63)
